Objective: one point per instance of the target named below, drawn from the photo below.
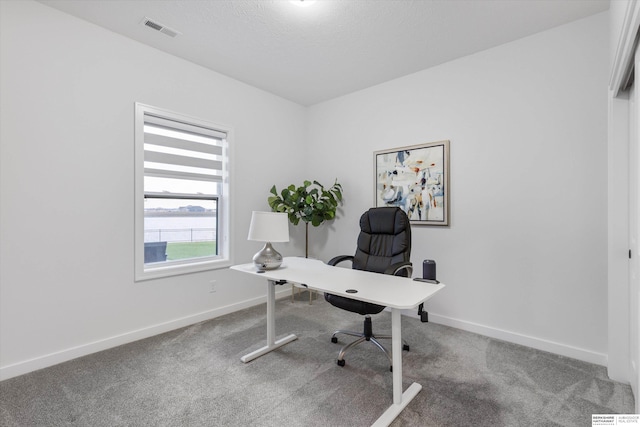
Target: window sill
(161, 271)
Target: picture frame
(416, 179)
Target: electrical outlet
(212, 286)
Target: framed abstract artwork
(415, 179)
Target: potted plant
(310, 202)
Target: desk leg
(400, 399)
(272, 344)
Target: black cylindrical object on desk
(429, 269)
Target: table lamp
(268, 227)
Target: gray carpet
(193, 377)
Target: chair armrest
(340, 258)
(393, 269)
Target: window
(182, 200)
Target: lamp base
(268, 258)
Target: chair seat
(352, 305)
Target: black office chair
(384, 246)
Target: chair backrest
(384, 239)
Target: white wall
(525, 257)
(66, 182)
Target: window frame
(223, 229)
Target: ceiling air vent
(159, 27)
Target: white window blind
(179, 150)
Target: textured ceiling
(332, 47)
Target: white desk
(397, 293)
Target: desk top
(383, 289)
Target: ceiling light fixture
(302, 3)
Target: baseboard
(635, 384)
(51, 359)
(512, 337)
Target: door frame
(623, 290)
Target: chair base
(366, 335)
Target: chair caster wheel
(405, 347)
(341, 362)
(334, 340)
(390, 368)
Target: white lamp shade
(269, 227)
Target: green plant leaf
(310, 202)
(273, 202)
